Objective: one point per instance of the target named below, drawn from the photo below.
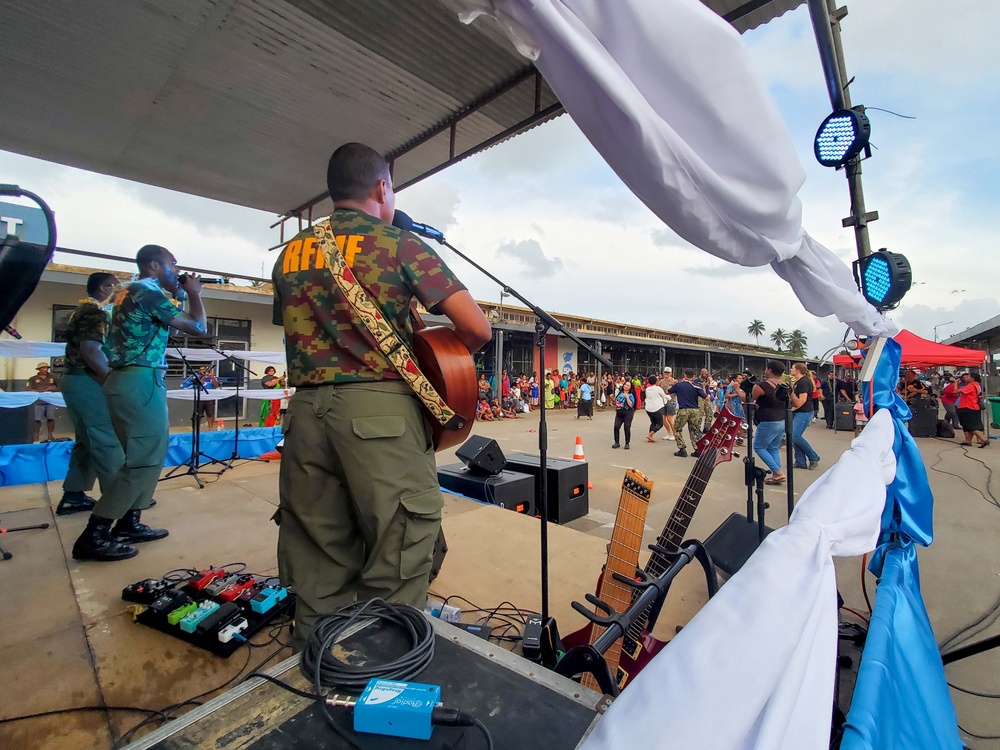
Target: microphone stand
(228, 463)
(192, 463)
(543, 322)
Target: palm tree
(797, 342)
(756, 329)
(779, 337)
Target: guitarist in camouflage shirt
(360, 504)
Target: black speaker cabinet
(508, 489)
(924, 421)
(844, 417)
(482, 455)
(733, 542)
(567, 484)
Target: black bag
(945, 430)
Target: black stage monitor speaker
(567, 484)
(733, 542)
(508, 489)
(482, 455)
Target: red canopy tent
(918, 352)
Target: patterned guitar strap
(389, 342)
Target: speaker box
(482, 455)
(567, 484)
(733, 542)
(925, 418)
(508, 489)
(844, 417)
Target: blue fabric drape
(901, 698)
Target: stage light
(842, 136)
(884, 278)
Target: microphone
(203, 279)
(402, 221)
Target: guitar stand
(653, 590)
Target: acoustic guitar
(448, 365)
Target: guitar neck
(673, 533)
(623, 558)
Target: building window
(223, 333)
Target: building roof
(242, 101)
(988, 329)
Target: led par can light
(842, 136)
(884, 278)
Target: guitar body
(448, 365)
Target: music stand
(228, 463)
(8, 555)
(192, 465)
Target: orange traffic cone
(270, 456)
(578, 451)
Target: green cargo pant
(691, 418)
(96, 454)
(137, 402)
(707, 410)
(360, 504)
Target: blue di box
(397, 709)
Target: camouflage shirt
(139, 325)
(89, 322)
(324, 340)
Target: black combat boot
(74, 502)
(129, 529)
(96, 543)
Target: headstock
(721, 437)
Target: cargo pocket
(145, 450)
(422, 516)
(373, 428)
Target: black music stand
(8, 555)
(193, 464)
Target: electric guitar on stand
(639, 646)
(623, 558)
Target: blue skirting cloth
(46, 462)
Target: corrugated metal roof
(242, 101)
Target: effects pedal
(205, 577)
(267, 599)
(168, 601)
(531, 641)
(144, 592)
(190, 621)
(482, 631)
(216, 587)
(232, 630)
(237, 587)
(181, 612)
(222, 616)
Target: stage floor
(68, 640)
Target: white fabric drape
(217, 394)
(19, 348)
(665, 91)
(755, 667)
(19, 399)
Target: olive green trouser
(96, 454)
(707, 414)
(691, 418)
(360, 504)
(137, 402)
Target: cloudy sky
(544, 212)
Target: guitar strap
(388, 341)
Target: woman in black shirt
(770, 418)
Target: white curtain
(665, 91)
(755, 667)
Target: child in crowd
(483, 411)
(860, 417)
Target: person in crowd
(969, 414)
(550, 391)
(609, 389)
(860, 416)
(484, 412)
(802, 416)
(498, 412)
(269, 410)
(508, 408)
(734, 396)
(705, 404)
(828, 395)
(770, 417)
(949, 399)
(97, 453)
(43, 382)
(637, 386)
(624, 412)
(585, 405)
(817, 394)
(670, 408)
(504, 385)
(846, 388)
(656, 404)
(210, 382)
(144, 312)
(534, 390)
(689, 413)
(912, 387)
(484, 387)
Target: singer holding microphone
(144, 311)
